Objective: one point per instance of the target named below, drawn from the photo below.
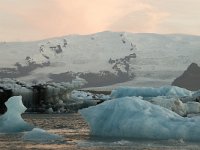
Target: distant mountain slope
(190, 79)
(102, 59)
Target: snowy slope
(102, 59)
(89, 51)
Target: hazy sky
(38, 19)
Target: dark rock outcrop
(5, 94)
(190, 79)
(102, 78)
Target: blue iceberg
(150, 91)
(12, 121)
(133, 117)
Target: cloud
(141, 19)
(38, 19)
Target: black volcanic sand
(76, 136)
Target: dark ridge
(63, 77)
(97, 92)
(5, 94)
(190, 79)
(20, 70)
(57, 49)
(103, 78)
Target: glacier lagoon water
(76, 132)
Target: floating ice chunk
(50, 110)
(150, 91)
(136, 118)
(171, 103)
(104, 97)
(174, 104)
(81, 95)
(12, 121)
(78, 82)
(39, 135)
(196, 95)
(192, 107)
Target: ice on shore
(150, 91)
(135, 118)
(39, 135)
(12, 121)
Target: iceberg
(176, 105)
(84, 96)
(39, 135)
(132, 117)
(12, 121)
(171, 103)
(81, 95)
(150, 91)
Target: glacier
(153, 66)
(150, 91)
(133, 117)
(11, 121)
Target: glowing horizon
(26, 20)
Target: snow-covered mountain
(102, 59)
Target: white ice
(12, 121)
(135, 118)
(82, 96)
(176, 105)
